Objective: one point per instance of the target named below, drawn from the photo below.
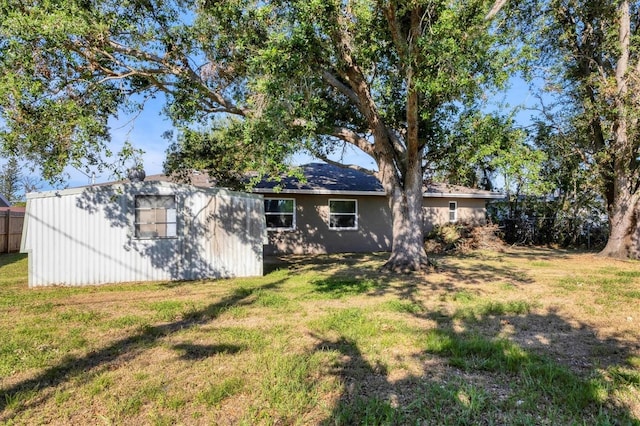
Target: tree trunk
(407, 252)
(624, 235)
(621, 184)
(405, 195)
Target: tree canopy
(586, 52)
(287, 75)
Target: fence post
(8, 230)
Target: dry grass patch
(524, 336)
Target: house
(344, 210)
(139, 231)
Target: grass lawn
(524, 337)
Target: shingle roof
(439, 189)
(325, 178)
(330, 179)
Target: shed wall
(87, 236)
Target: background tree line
(15, 184)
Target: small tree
(10, 181)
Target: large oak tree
(283, 75)
(589, 52)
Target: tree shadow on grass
(191, 352)
(357, 273)
(9, 258)
(490, 369)
(124, 350)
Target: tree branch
(178, 69)
(354, 139)
(396, 32)
(344, 166)
(340, 87)
(495, 9)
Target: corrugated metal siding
(235, 224)
(86, 236)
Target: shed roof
(195, 178)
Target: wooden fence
(11, 222)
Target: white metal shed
(142, 231)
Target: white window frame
(454, 211)
(293, 214)
(170, 222)
(355, 213)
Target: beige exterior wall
(312, 234)
(436, 211)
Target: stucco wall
(312, 234)
(436, 211)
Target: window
(155, 216)
(343, 214)
(453, 211)
(280, 213)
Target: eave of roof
(484, 196)
(487, 196)
(318, 192)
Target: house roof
(439, 190)
(4, 202)
(328, 179)
(324, 179)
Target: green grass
(483, 308)
(331, 341)
(541, 379)
(406, 307)
(342, 286)
(217, 392)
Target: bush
(463, 238)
